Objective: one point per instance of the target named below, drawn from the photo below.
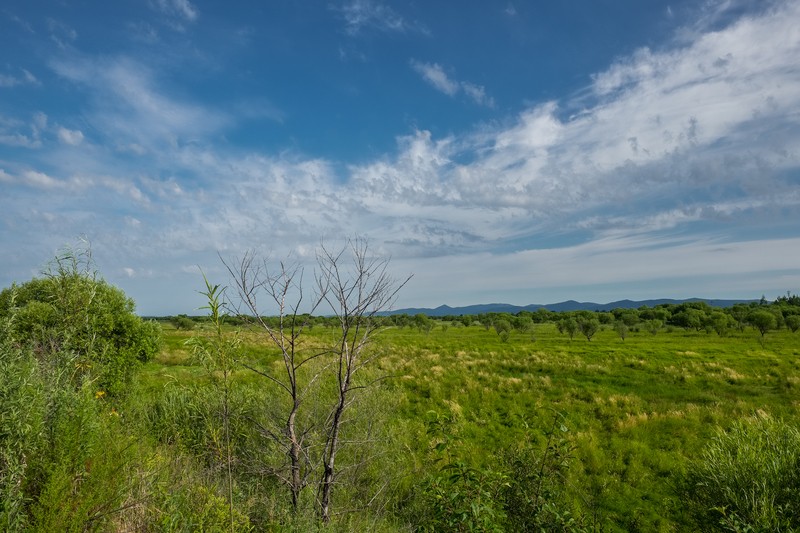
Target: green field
(675, 418)
(636, 412)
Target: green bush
(748, 478)
(78, 324)
(535, 495)
(21, 425)
(503, 329)
(82, 477)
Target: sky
(517, 152)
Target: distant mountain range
(569, 305)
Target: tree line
(762, 316)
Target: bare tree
(356, 290)
(283, 287)
(354, 287)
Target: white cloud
(26, 78)
(82, 185)
(22, 23)
(133, 148)
(14, 132)
(672, 138)
(39, 121)
(41, 180)
(130, 107)
(701, 268)
(60, 33)
(477, 93)
(434, 74)
(18, 139)
(183, 9)
(647, 157)
(70, 137)
(593, 191)
(361, 14)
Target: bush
(182, 322)
(748, 478)
(21, 425)
(503, 329)
(535, 496)
(71, 318)
(793, 323)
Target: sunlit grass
(638, 410)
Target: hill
(569, 305)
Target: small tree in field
(762, 320)
(653, 326)
(622, 329)
(423, 323)
(588, 327)
(503, 329)
(354, 287)
(568, 326)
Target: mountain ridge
(568, 305)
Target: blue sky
(518, 152)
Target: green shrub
(748, 478)
(21, 425)
(535, 495)
(503, 329)
(182, 322)
(77, 323)
(194, 506)
(82, 477)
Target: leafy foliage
(588, 327)
(503, 329)
(748, 478)
(21, 424)
(762, 320)
(73, 315)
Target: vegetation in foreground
(675, 418)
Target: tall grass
(638, 412)
(748, 478)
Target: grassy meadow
(630, 416)
(674, 418)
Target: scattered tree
(183, 322)
(622, 329)
(423, 323)
(503, 329)
(568, 326)
(721, 322)
(588, 327)
(523, 323)
(653, 326)
(762, 320)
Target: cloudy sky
(520, 152)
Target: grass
(638, 410)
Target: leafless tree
(353, 286)
(356, 290)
